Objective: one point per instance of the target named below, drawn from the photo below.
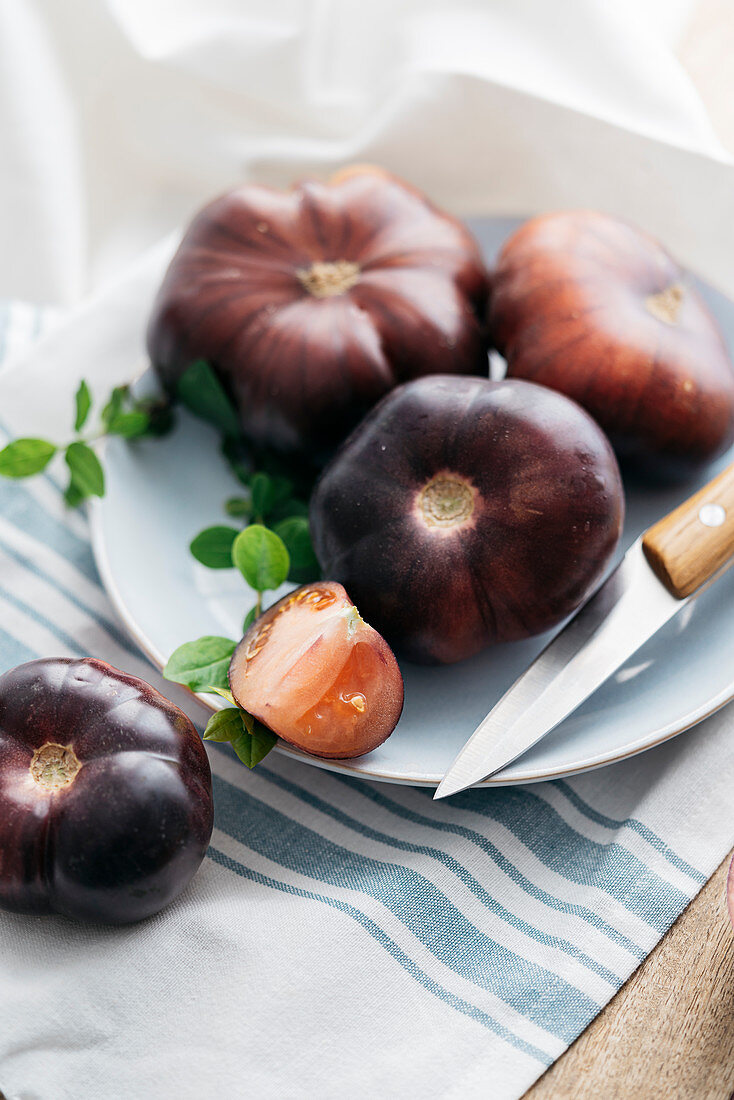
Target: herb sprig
(203, 667)
(275, 544)
(272, 543)
(122, 415)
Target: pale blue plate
(161, 493)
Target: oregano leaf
(202, 664)
(255, 742)
(200, 390)
(249, 619)
(260, 489)
(296, 536)
(25, 457)
(213, 546)
(268, 492)
(114, 406)
(159, 412)
(224, 725)
(73, 495)
(129, 425)
(225, 693)
(287, 509)
(249, 738)
(261, 557)
(86, 470)
(238, 507)
(83, 403)
(237, 459)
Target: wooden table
(669, 1032)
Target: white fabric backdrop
(118, 117)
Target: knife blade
(663, 570)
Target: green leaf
(225, 725)
(256, 741)
(287, 509)
(249, 738)
(73, 495)
(225, 693)
(249, 619)
(201, 665)
(24, 457)
(238, 459)
(296, 536)
(238, 507)
(114, 406)
(267, 492)
(200, 390)
(261, 557)
(159, 413)
(213, 547)
(87, 474)
(130, 425)
(260, 490)
(282, 487)
(83, 402)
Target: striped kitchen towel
(342, 938)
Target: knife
(667, 567)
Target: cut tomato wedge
(314, 672)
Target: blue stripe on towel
(42, 620)
(472, 1011)
(13, 652)
(453, 865)
(543, 997)
(609, 867)
(105, 624)
(630, 823)
(581, 911)
(22, 509)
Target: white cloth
(343, 938)
(119, 117)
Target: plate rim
(650, 740)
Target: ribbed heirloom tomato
(314, 302)
(463, 512)
(592, 307)
(105, 793)
(317, 675)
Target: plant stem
(89, 440)
(259, 605)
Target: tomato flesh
(317, 675)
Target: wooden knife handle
(686, 547)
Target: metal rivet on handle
(712, 515)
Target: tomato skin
(317, 675)
(463, 512)
(592, 307)
(129, 821)
(301, 365)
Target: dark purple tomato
(592, 307)
(105, 793)
(464, 512)
(314, 302)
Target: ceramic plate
(161, 493)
